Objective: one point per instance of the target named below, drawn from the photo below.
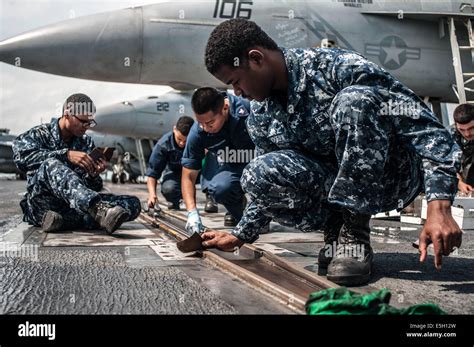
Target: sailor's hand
(221, 240)
(194, 224)
(100, 166)
(464, 187)
(82, 160)
(152, 201)
(441, 230)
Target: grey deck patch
(36, 237)
(18, 234)
(168, 251)
(140, 256)
(274, 249)
(130, 234)
(380, 239)
(290, 237)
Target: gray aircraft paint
(164, 43)
(146, 118)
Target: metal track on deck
(261, 269)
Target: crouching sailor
(63, 181)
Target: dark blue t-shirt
(232, 138)
(166, 155)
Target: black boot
(173, 205)
(229, 220)
(331, 234)
(52, 221)
(352, 264)
(211, 206)
(109, 217)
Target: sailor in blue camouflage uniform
(165, 160)
(339, 139)
(63, 181)
(463, 133)
(221, 131)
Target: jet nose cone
(11, 49)
(118, 119)
(106, 46)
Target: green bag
(341, 301)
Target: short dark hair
(233, 39)
(79, 104)
(207, 99)
(464, 113)
(184, 124)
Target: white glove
(194, 224)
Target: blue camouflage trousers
(171, 186)
(57, 187)
(222, 182)
(374, 172)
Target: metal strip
(294, 301)
(168, 222)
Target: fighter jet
(133, 127)
(423, 43)
(6, 154)
(125, 164)
(147, 118)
